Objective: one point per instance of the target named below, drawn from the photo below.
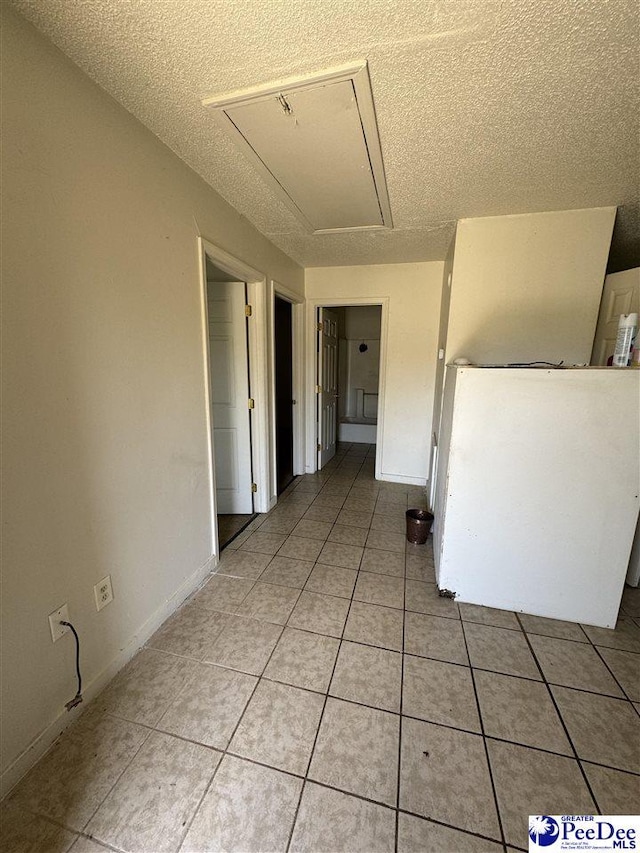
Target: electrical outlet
(57, 630)
(103, 592)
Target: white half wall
(538, 489)
(527, 287)
(105, 445)
(414, 292)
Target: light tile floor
(318, 695)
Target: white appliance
(537, 490)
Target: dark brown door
(284, 393)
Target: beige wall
(359, 369)
(527, 288)
(414, 292)
(447, 275)
(105, 449)
(362, 322)
(443, 326)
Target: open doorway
(283, 382)
(251, 363)
(286, 362)
(230, 394)
(349, 339)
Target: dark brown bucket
(419, 523)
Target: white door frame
(256, 291)
(312, 370)
(297, 330)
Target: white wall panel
(527, 287)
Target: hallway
(317, 694)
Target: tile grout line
(484, 742)
(372, 708)
(387, 806)
(443, 725)
(83, 834)
(587, 642)
(404, 614)
(150, 730)
(449, 825)
(625, 695)
(544, 680)
(120, 775)
(145, 726)
(612, 673)
(403, 576)
(100, 843)
(561, 718)
(225, 752)
(240, 718)
(80, 833)
(324, 705)
(341, 641)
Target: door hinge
(248, 311)
(252, 403)
(319, 448)
(254, 487)
(319, 327)
(318, 389)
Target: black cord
(536, 363)
(78, 697)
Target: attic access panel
(316, 143)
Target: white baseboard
(400, 478)
(40, 744)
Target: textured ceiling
(485, 107)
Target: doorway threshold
(230, 526)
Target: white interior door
(621, 295)
(328, 385)
(229, 374)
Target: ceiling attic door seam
(366, 144)
(329, 171)
(320, 159)
(287, 198)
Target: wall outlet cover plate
(57, 630)
(103, 592)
